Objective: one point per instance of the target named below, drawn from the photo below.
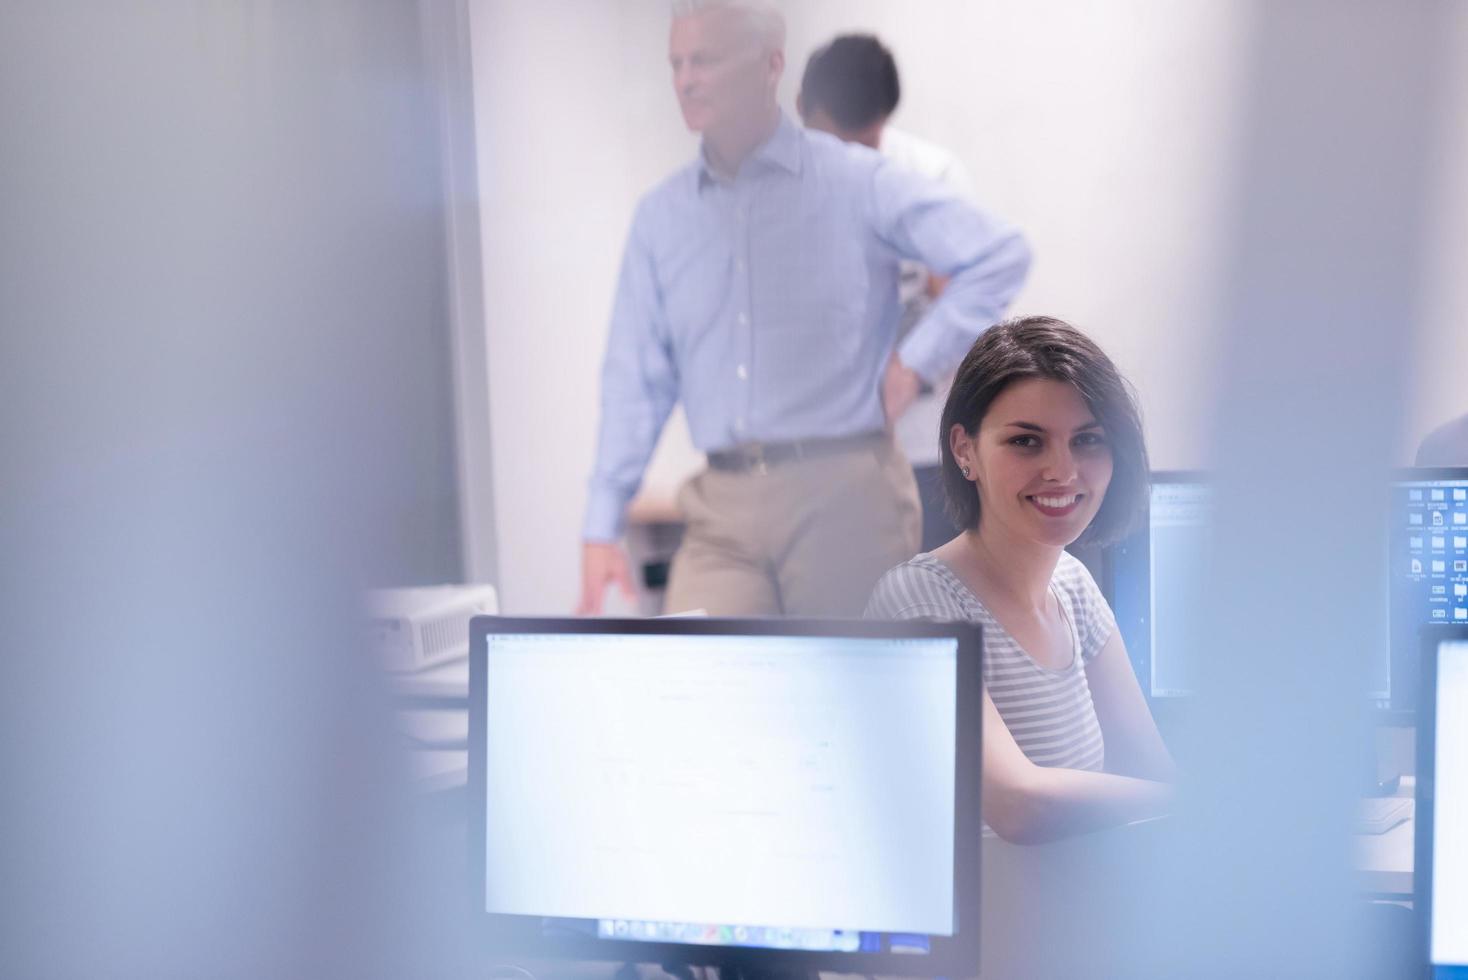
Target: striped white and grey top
(1049, 712)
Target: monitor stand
(749, 973)
(682, 971)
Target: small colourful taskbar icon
(772, 937)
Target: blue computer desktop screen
(1429, 563)
(787, 792)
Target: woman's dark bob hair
(1044, 347)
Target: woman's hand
(1029, 804)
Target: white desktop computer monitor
(762, 795)
(1441, 862)
(1158, 580)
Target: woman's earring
(966, 474)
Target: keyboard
(1378, 814)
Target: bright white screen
(1181, 543)
(779, 781)
(1450, 809)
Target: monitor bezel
(1432, 641)
(507, 936)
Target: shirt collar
(781, 150)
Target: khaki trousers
(808, 537)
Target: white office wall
(1106, 131)
(1441, 365)
(575, 118)
(1103, 130)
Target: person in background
(1447, 445)
(850, 89)
(1043, 446)
(758, 286)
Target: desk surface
(434, 717)
(1384, 861)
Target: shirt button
(742, 372)
(743, 320)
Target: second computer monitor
(1158, 580)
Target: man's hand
(900, 388)
(602, 563)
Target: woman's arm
(1133, 745)
(1029, 804)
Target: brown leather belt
(760, 456)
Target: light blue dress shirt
(768, 302)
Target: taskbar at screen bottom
(747, 936)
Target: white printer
(413, 628)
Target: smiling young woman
(1042, 446)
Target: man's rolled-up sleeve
(984, 258)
